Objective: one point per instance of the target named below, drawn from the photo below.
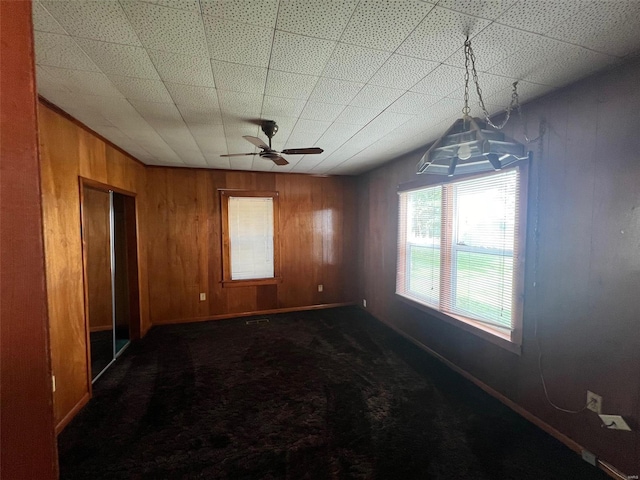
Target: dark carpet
(326, 394)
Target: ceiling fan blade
(302, 151)
(238, 155)
(256, 141)
(278, 160)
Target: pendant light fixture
(470, 145)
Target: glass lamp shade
(469, 147)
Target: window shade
(457, 247)
(251, 237)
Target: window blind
(251, 237)
(458, 246)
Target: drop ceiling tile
(104, 21)
(441, 81)
(489, 84)
(539, 15)
(201, 116)
(241, 163)
(369, 24)
(327, 112)
(357, 115)
(353, 63)
(306, 133)
(277, 106)
(315, 18)
(330, 90)
(81, 82)
(51, 83)
(431, 39)
(239, 78)
(372, 96)
(413, 103)
(61, 51)
(117, 59)
(162, 28)
(493, 45)
(336, 135)
(290, 85)
(192, 96)
(44, 22)
(489, 9)
(402, 72)
(608, 27)
(238, 42)
(240, 104)
(262, 13)
(141, 89)
(300, 54)
(552, 62)
(182, 69)
(191, 5)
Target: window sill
(502, 338)
(251, 282)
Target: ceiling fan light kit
(270, 128)
(471, 145)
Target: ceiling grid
(179, 82)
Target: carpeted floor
(326, 394)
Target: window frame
(227, 281)
(508, 339)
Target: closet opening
(112, 306)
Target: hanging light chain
(515, 100)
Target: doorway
(111, 274)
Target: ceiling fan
(269, 127)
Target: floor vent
(257, 321)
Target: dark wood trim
(251, 283)
(105, 187)
(272, 311)
(73, 412)
(226, 241)
(572, 444)
(52, 106)
(85, 289)
(223, 170)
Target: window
(249, 231)
(458, 251)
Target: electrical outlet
(203, 297)
(364, 303)
(320, 288)
(594, 402)
(53, 382)
(614, 422)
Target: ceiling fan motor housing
(269, 127)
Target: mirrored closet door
(110, 263)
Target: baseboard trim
(100, 329)
(72, 413)
(258, 312)
(572, 444)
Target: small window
(249, 231)
(458, 251)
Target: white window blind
(457, 247)
(251, 237)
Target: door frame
(131, 225)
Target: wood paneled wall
(68, 152)
(27, 443)
(318, 225)
(585, 190)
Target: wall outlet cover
(203, 297)
(594, 402)
(364, 303)
(614, 422)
